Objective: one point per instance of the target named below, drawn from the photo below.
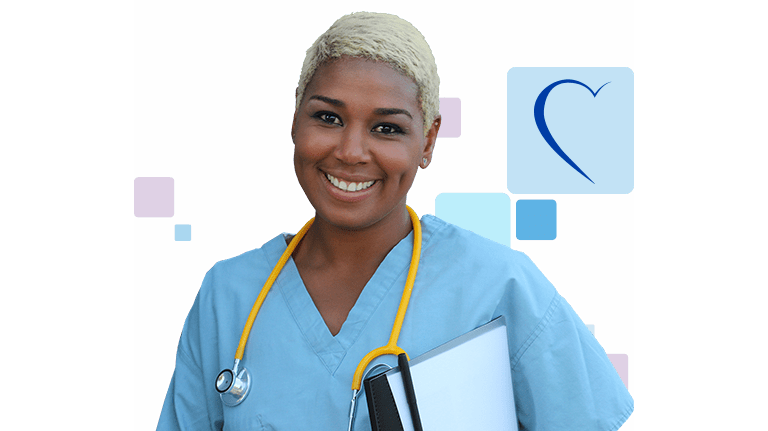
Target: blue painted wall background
(213, 98)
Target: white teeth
(349, 187)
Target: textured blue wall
(213, 98)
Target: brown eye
(328, 117)
(388, 129)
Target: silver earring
(424, 163)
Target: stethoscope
(233, 385)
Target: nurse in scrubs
(366, 121)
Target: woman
(366, 119)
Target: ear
(293, 128)
(431, 138)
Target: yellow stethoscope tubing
(267, 286)
(391, 347)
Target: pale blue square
(486, 214)
(183, 232)
(595, 132)
(536, 219)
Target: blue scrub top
(302, 375)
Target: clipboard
(463, 384)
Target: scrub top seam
(330, 352)
(303, 333)
(280, 286)
(293, 391)
(624, 416)
(426, 238)
(543, 324)
(344, 350)
(376, 308)
(187, 358)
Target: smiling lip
(361, 188)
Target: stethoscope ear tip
(233, 388)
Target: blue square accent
(536, 219)
(591, 328)
(183, 232)
(486, 214)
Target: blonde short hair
(381, 37)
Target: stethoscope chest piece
(233, 386)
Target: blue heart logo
(541, 123)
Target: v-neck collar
(329, 349)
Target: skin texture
(360, 120)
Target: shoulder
(465, 281)
(559, 368)
(483, 273)
(244, 269)
(227, 293)
(464, 248)
(230, 287)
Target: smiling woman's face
(359, 141)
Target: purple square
(620, 361)
(153, 197)
(450, 110)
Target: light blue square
(536, 219)
(486, 214)
(183, 232)
(587, 113)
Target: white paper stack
(465, 384)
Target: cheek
(310, 149)
(305, 160)
(399, 162)
(301, 154)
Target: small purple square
(153, 197)
(450, 111)
(620, 361)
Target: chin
(348, 220)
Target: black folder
(474, 365)
(381, 404)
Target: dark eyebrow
(378, 111)
(393, 111)
(328, 100)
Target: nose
(353, 147)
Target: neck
(331, 246)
